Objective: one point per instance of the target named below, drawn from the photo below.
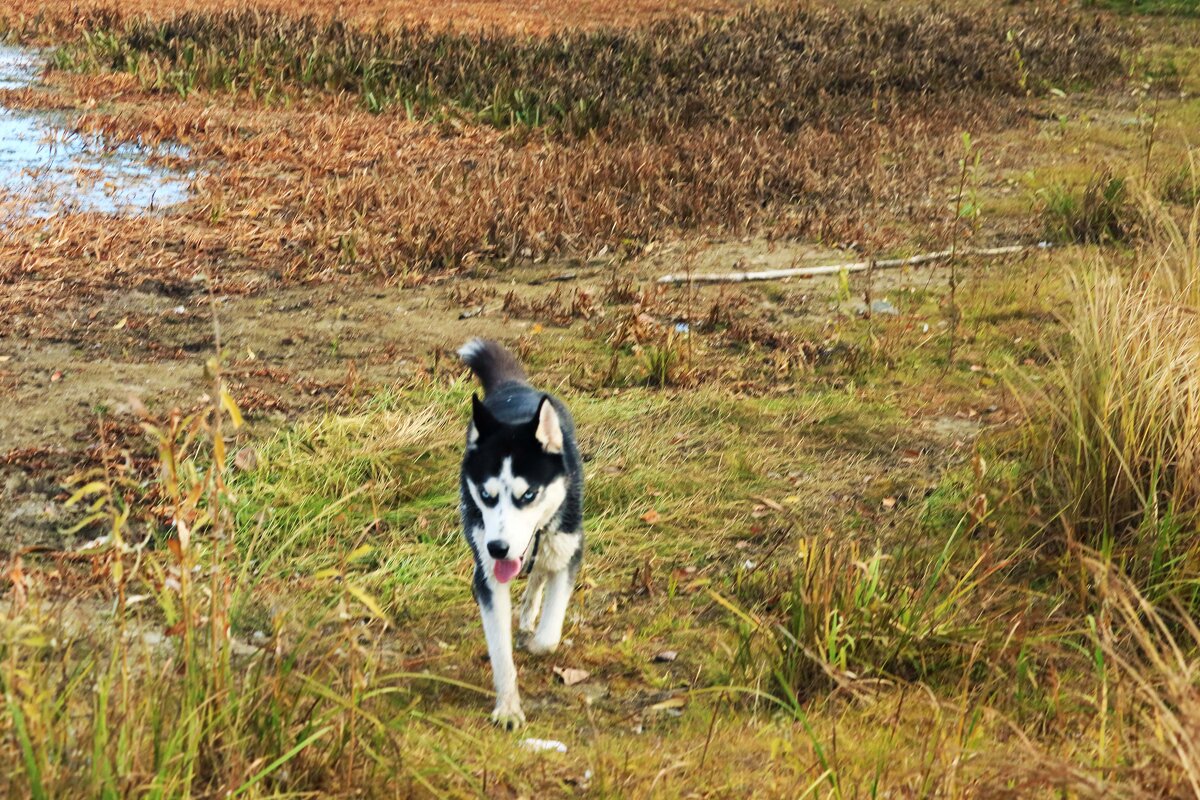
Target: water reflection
(46, 170)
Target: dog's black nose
(497, 549)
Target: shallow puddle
(46, 170)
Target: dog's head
(517, 477)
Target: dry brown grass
(328, 192)
(316, 188)
(1125, 451)
(509, 15)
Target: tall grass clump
(1099, 213)
(340, 483)
(1123, 455)
(853, 620)
(1182, 185)
(1146, 727)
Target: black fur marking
(576, 559)
(533, 551)
(485, 423)
(480, 588)
(473, 520)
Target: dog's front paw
(541, 647)
(508, 714)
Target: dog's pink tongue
(506, 569)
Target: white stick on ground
(854, 266)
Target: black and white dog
(522, 511)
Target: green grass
(1185, 8)
(873, 584)
(1101, 212)
(785, 67)
(863, 636)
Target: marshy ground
(829, 552)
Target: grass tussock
(338, 483)
(1102, 212)
(1181, 185)
(1124, 454)
(855, 621)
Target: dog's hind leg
(495, 605)
(531, 601)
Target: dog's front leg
(495, 605)
(554, 611)
(531, 601)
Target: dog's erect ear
(483, 423)
(549, 427)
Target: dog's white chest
(555, 551)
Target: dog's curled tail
(491, 363)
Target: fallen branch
(566, 276)
(854, 266)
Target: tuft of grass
(661, 362)
(1146, 662)
(1123, 455)
(852, 621)
(1101, 213)
(1183, 185)
(326, 493)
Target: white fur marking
(497, 629)
(479, 538)
(556, 551)
(504, 522)
(554, 611)
(470, 348)
(549, 430)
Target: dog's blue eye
(485, 494)
(528, 496)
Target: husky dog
(522, 512)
